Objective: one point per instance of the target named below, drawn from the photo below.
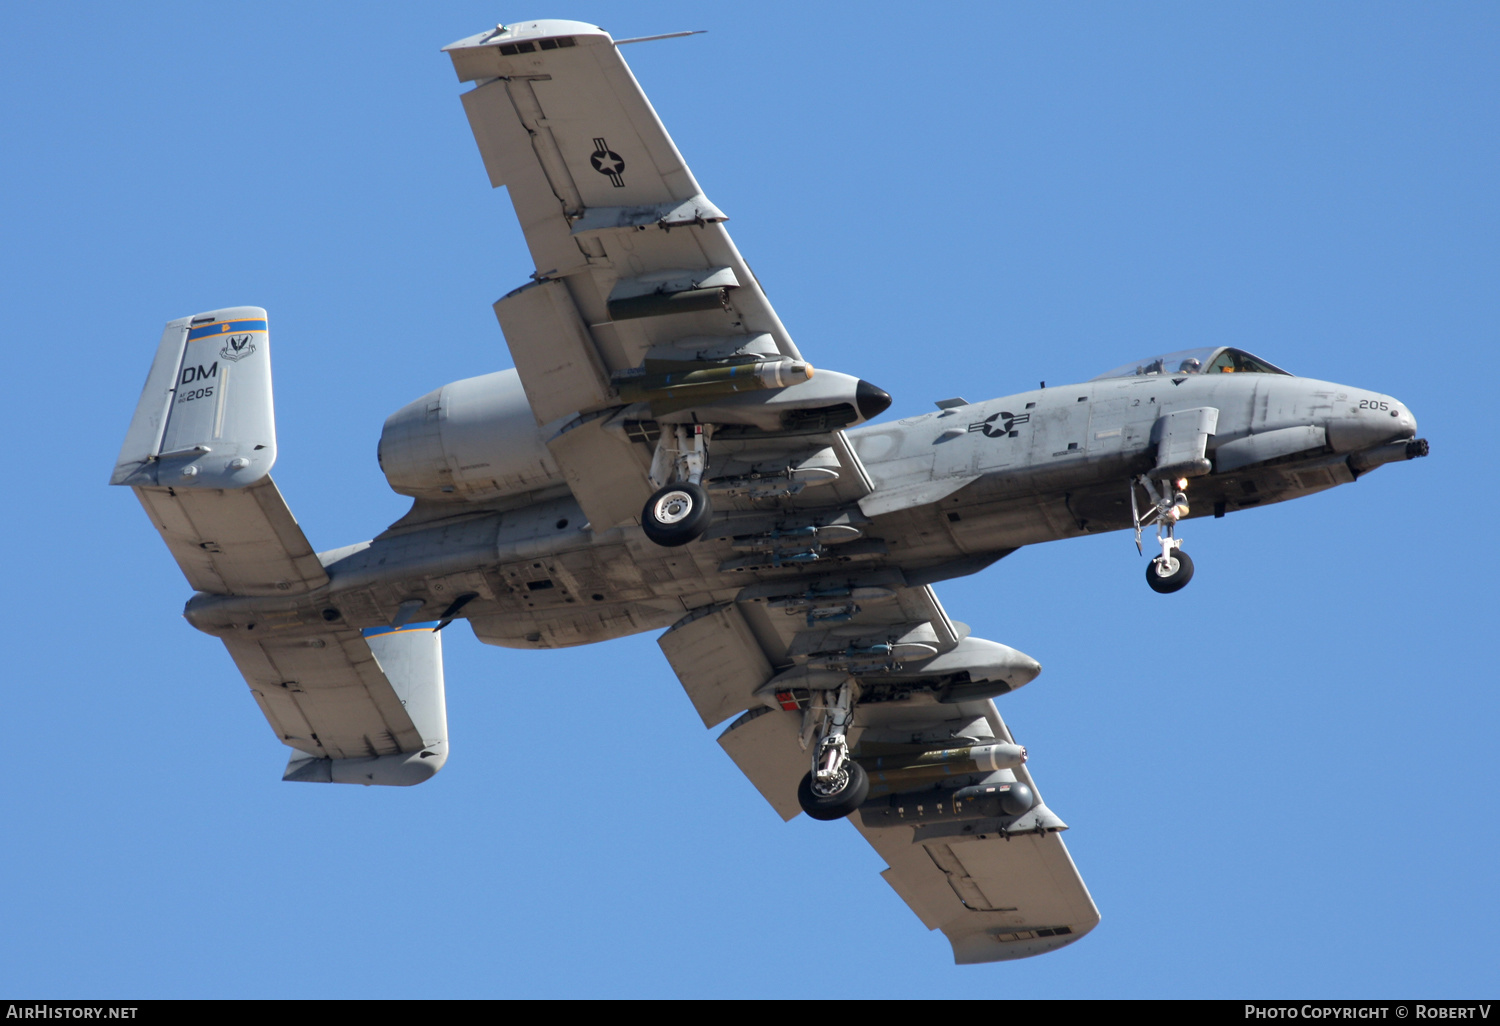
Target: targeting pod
(1002, 801)
(1011, 799)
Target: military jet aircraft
(664, 457)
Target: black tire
(1178, 572)
(835, 806)
(676, 514)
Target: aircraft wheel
(676, 514)
(1173, 576)
(839, 804)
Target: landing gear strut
(1171, 570)
(678, 511)
(837, 785)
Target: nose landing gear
(1171, 570)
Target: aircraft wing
(632, 259)
(998, 888)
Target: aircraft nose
(872, 401)
(1370, 420)
(1405, 423)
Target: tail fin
(205, 419)
(199, 453)
(355, 708)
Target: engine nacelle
(472, 439)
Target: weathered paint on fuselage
(1039, 466)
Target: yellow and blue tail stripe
(430, 625)
(225, 328)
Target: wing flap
(555, 355)
(764, 744)
(606, 473)
(509, 157)
(715, 655)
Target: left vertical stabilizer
(205, 418)
(199, 453)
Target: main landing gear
(837, 785)
(678, 511)
(1171, 570)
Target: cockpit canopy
(1209, 360)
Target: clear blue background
(1280, 782)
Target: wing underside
(999, 887)
(635, 275)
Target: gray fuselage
(956, 489)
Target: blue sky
(1280, 782)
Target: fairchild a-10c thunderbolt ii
(664, 457)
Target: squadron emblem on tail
(237, 347)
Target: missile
(907, 769)
(829, 605)
(697, 382)
(817, 596)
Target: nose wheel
(1171, 570)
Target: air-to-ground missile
(904, 770)
(698, 382)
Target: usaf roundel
(609, 163)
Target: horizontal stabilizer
(356, 707)
(235, 542)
